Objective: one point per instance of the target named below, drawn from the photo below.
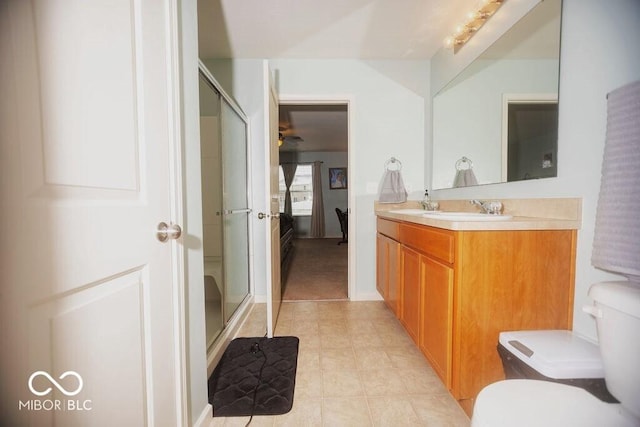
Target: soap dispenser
(427, 204)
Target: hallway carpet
(318, 271)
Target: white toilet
(540, 403)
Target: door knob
(166, 232)
(262, 215)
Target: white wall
(596, 57)
(387, 119)
(387, 110)
(332, 199)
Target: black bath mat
(260, 367)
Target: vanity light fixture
(474, 21)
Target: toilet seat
(510, 403)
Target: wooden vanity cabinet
(427, 293)
(410, 280)
(388, 266)
(436, 308)
(506, 281)
(460, 289)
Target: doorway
(529, 136)
(314, 174)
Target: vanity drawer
(431, 241)
(389, 228)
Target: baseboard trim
(204, 420)
(369, 296)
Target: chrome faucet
(428, 204)
(492, 207)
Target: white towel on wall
(465, 178)
(616, 244)
(392, 188)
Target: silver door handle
(275, 215)
(166, 232)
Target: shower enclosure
(225, 207)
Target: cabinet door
(436, 323)
(388, 271)
(393, 295)
(382, 266)
(410, 292)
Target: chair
(344, 225)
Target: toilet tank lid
(558, 354)
(622, 296)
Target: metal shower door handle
(166, 232)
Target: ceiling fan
(289, 140)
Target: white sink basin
(465, 216)
(408, 211)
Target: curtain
(317, 207)
(289, 171)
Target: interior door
(274, 290)
(89, 295)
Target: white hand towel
(392, 188)
(465, 178)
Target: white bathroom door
(90, 300)
(274, 287)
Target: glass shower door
(212, 223)
(235, 209)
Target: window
(301, 191)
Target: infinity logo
(55, 383)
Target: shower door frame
(211, 349)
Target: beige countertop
(549, 214)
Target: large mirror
(497, 121)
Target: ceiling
(536, 35)
(322, 127)
(323, 29)
(327, 29)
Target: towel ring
(463, 161)
(392, 161)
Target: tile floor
(356, 367)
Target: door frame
(349, 101)
(273, 274)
